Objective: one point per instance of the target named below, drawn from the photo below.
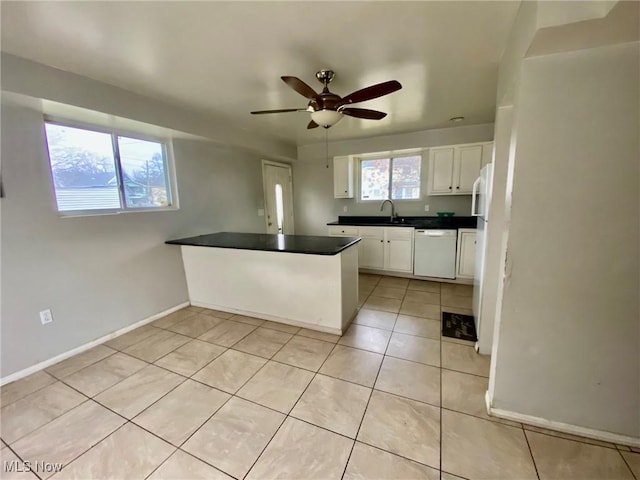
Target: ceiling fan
(327, 108)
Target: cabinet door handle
(388, 241)
(458, 187)
(449, 187)
(381, 241)
(345, 191)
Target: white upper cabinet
(343, 177)
(468, 168)
(454, 168)
(440, 170)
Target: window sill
(102, 213)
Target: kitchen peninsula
(307, 281)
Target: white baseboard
(273, 318)
(561, 427)
(63, 356)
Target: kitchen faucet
(393, 209)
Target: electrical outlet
(46, 316)
(345, 209)
(426, 208)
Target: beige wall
(102, 273)
(24, 77)
(568, 344)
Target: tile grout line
(533, 460)
(627, 463)
(176, 448)
(160, 398)
(315, 374)
(18, 457)
(98, 443)
(86, 366)
(288, 414)
(187, 378)
(130, 421)
(364, 413)
(2, 405)
(557, 434)
(235, 395)
(191, 455)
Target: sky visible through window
(85, 177)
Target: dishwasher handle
(436, 233)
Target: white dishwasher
(435, 253)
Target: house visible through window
(397, 178)
(95, 171)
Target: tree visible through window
(397, 178)
(103, 171)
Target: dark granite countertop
(270, 243)
(414, 222)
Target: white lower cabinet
(398, 249)
(371, 253)
(382, 248)
(466, 258)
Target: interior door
(278, 197)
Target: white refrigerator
(480, 203)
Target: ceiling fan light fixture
(326, 118)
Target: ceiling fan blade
(260, 112)
(363, 113)
(369, 93)
(312, 124)
(300, 87)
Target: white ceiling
(226, 58)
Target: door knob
(270, 223)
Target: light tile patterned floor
(206, 394)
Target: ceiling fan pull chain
(326, 143)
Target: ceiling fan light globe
(326, 118)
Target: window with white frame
(392, 177)
(100, 171)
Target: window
(98, 171)
(397, 178)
